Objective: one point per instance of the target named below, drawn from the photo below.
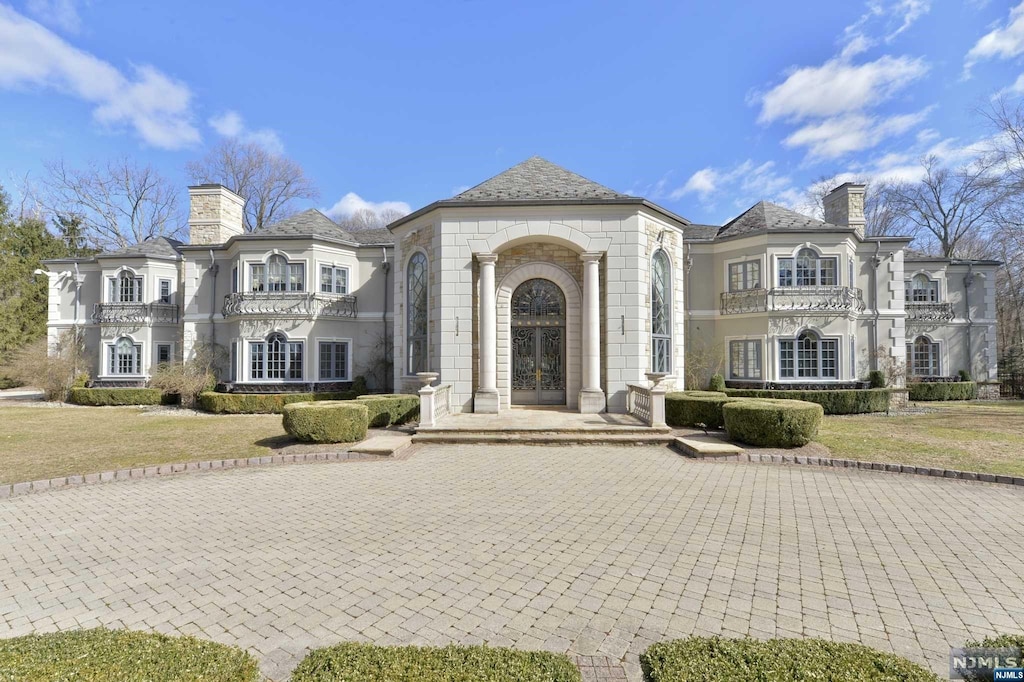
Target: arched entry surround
(573, 350)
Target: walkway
(588, 550)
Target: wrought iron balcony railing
(135, 313)
(919, 311)
(793, 299)
(288, 304)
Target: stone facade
(215, 214)
(845, 206)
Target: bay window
(277, 274)
(808, 269)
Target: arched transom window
(416, 313)
(808, 269)
(538, 302)
(125, 357)
(126, 288)
(276, 359)
(923, 358)
(277, 274)
(922, 289)
(809, 356)
(661, 313)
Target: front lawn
(47, 442)
(970, 436)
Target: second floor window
(808, 269)
(277, 274)
(333, 280)
(165, 291)
(745, 275)
(920, 289)
(126, 288)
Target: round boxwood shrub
(693, 408)
(102, 655)
(772, 423)
(717, 383)
(392, 408)
(709, 659)
(327, 421)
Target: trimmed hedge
(692, 408)
(711, 659)
(355, 662)
(393, 408)
(842, 401)
(772, 423)
(102, 655)
(717, 384)
(326, 421)
(262, 403)
(942, 390)
(101, 397)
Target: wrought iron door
(538, 344)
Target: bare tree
(881, 219)
(365, 219)
(119, 204)
(269, 183)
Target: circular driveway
(595, 551)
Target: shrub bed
(262, 403)
(711, 659)
(772, 423)
(844, 401)
(353, 662)
(101, 397)
(102, 655)
(327, 421)
(949, 390)
(692, 408)
(393, 408)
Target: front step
(640, 437)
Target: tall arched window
(416, 313)
(923, 357)
(808, 269)
(661, 313)
(277, 358)
(809, 356)
(126, 288)
(922, 290)
(125, 357)
(277, 275)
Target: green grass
(716, 659)
(970, 436)
(102, 655)
(352, 662)
(47, 442)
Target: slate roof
(313, 222)
(767, 217)
(536, 179)
(157, 247)
(913, 256)
(700, 232)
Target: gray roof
(312, 222)
(536, 179)
(157, 247)
(700, 232)
(915, 256)
(767, 217)
(373, 235)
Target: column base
(592, 401)
(486, 401)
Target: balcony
(300, 304)
(923, 313)
(135, 313)
(824, 299)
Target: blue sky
(703, 107)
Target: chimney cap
(851, 185)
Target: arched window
(923, 357)
(416, 313)
(809, 356)
(126, 288)
(661, 313)
(922, 290)
(808, 269)
(276, 359)
(277, 275)
(125, 357)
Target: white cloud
(889, 18)
(231, 124)
(1004, 42)
(156, 106)
(352, 203)
(704, 182)
(746, 183)
(59, 14)
(837, 136)
(1015, 88)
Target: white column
(486, 399)
(591, 396)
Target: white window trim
(247, 359)
(247, 271)
(108, 370)
(938, 279)
(840, 358)
(763, 341)
(156, 352)
(944, 369)
(671, 311)
(744, 259)
(336, 266)
(405, 310)
(348, 359)
(113, 278)
(839, 257)
(171, 293)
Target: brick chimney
(845, 206)
(215, 214)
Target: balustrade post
(427, 398)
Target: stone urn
(656, 378)
(427, 378)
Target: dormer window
(921, 289)
(277, 274)
(808, 269)
(126, 288)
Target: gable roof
(156, 247)
(312, 222)
(768, 217)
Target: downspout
(78, 296)
(386, 267)
(214, 268)
(687, 263)
(875, 263)
(968, 283)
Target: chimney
(215, 214)
(845, 206)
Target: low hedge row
(951, 390)
(696, 408)
(845, 401)
(392, 408)
(262, 403)
(102, 397)
(101, 655)
(353, 662)
(772, 423)
(327, 421)
(711, 659)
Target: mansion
(535, 287)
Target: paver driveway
(587, 550)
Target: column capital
(591, 256)
(487, 257)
